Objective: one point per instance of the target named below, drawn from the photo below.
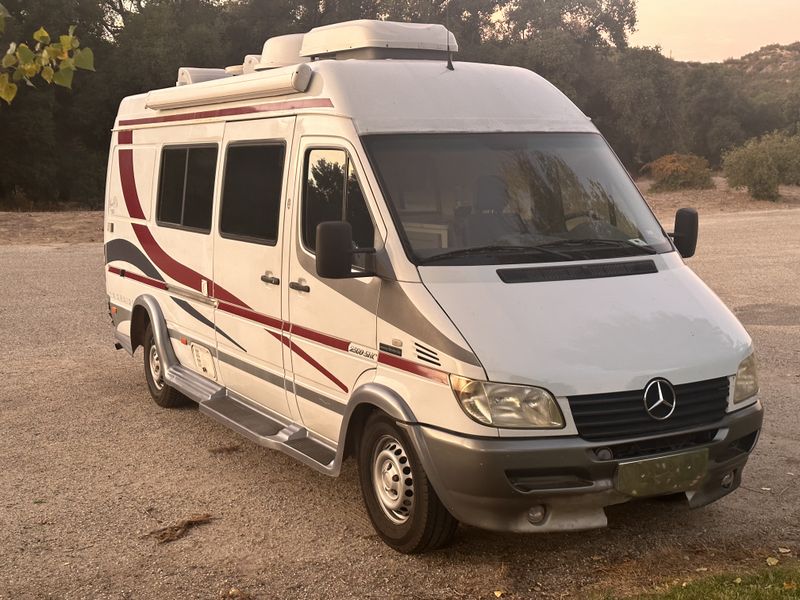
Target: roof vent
(368, 39)
(190, 75)
(281, 51)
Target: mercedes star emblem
(659, 399)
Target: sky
(713, 30)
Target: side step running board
(190, 384)
(266, 431)
(217, 402)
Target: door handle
(300, 287)
(271, 279)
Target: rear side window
(186, 188)
(251, 198)
(333, 193)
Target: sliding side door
(247, 260)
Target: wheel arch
(140, 319)
(146, 311)
(365, 400)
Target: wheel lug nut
(395, 478)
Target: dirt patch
(721, 199)
(778, 315)
(51, 227)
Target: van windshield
(512, 198)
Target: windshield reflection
(457, 194)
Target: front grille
(620, 415)
(660, 445)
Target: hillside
(771, 71)
(775, 61)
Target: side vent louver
(427, 355)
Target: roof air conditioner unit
(368, 39)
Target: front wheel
(162, 394)
(400, 500)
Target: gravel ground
(89, 465)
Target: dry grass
(51, 227)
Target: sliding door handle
(300, 287)
(271, 279)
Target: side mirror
(685, 235)
(335, 251)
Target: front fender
(372, 395)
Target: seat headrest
(491, 194)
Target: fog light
(604, 453)
(537, 514)
(727, 479)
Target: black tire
(421, 523)
(163, 395)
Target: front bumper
(494, 483)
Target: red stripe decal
(306, 357)
(162, 260)
(251, 315)
(322, 338)
(412, 367)
(125, 136)
(228, 302)
(231, 112)
(129, 185)
(140, 278)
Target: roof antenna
(450, 66)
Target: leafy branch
(51, 60)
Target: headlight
(746, 385)
(507, 406)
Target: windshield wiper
(598, 243)
(496, 250)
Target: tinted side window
(251, 198)
(170, 194)
(332, 193)
(186, 190)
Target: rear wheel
(400, 500)
(162, 394)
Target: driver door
(333, 321)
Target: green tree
(762, 164)
(52, 61)
(55, 140)
(713, 112)
(596, 22)
(636, 105)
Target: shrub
(761, 165)
(680, 172)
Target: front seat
(488, 224)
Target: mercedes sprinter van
(350, 246)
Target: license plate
(664, 475)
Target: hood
(592, 336)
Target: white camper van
(352, 247)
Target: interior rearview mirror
(685, 234)
(335, 251)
